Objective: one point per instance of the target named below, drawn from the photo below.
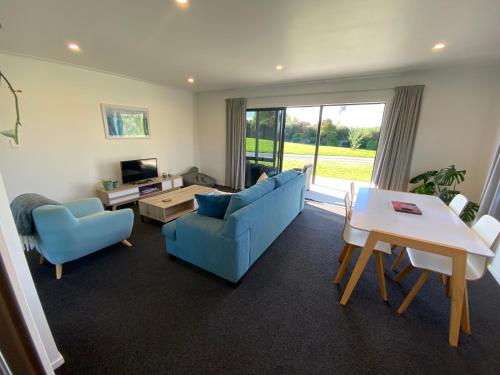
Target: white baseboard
(495, 273)
(57, 362)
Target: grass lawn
(302, 149)
(334, 168)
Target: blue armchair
(75, 229)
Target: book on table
(406, 207)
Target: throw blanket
(22, 208)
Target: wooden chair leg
(343, 265)
(42, 259)
(398, 260)
(465, 322)
(58, 271)
(126, 243)
(379, 264)
(414, 291)
(409, 268)
(448, 287)
(342, 254)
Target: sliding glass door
(300, 136)
(263, 136)
(340, 141)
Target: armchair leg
(42, 259)
(126, 243)
(58, 271)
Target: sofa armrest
(237, 223)
(120, 221)
(84, 207)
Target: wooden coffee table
(169, 206)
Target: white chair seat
(443, 264)
(358, 238)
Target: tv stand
(128, 193)
(142, 182)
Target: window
(263, 129)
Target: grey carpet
(134, 311)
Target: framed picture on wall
(125, 122)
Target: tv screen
(136, 170)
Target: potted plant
(107, 184)
(443, 183)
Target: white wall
(14, 260)
(456, 121)
(63, 149)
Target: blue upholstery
(245, 197)
(75, 229)
(212, 205)
(229, 247)
(284, 177)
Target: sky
(355, 115)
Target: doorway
(340, 141)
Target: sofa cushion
(245, 197)
(283, 178)
(263, 177)
(212, 205)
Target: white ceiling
(236, 43)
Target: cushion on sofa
(245, 197)
(213, 205)
(263, 177)
(284, 177)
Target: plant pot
(107, 185)
(116, 184)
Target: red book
(409, 208)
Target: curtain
(490, 199)
(397, 138)
(235, 142)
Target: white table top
(438, 223)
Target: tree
(355, 137)
(371, 144)
(328, 133)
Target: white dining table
(438, 230)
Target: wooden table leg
(364, 256)
(457, 296)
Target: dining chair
(487, 228)
(352, 187)
(457, 205)
(355, 238)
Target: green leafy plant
(12, 133)
(443, 183)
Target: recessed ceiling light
(190, 80)
(74, 47)
(438, 46)
(182, 3)
(279, 67)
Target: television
(139, 170)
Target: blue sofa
(72, 230)
(228, 247)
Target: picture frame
(125, 122)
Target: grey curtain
(235, 142)
(397, 138)
(490, 199)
